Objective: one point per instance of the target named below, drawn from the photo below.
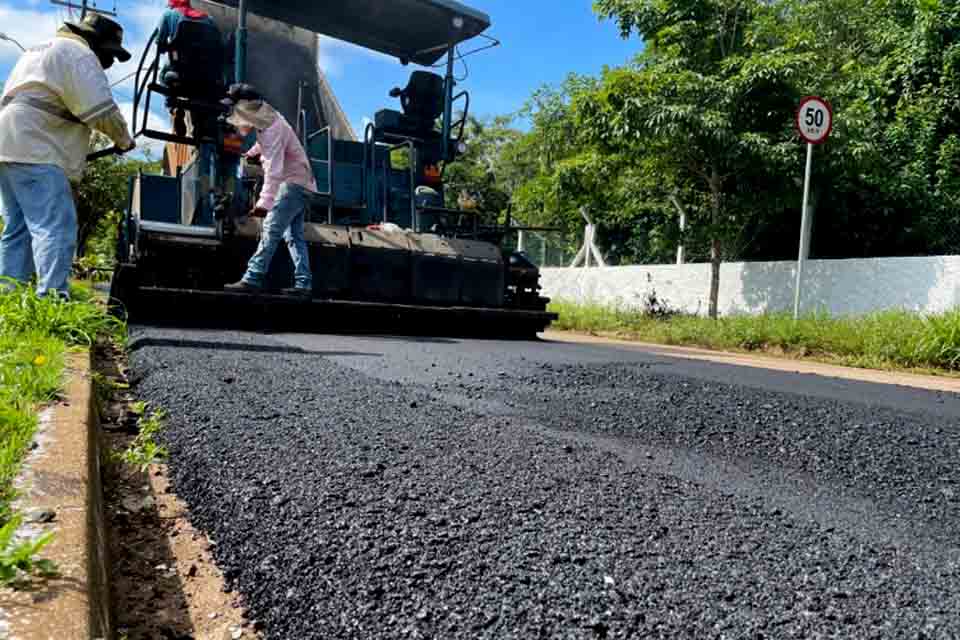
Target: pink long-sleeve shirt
(283, 159)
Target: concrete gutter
(62, 477)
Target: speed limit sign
(814, 120)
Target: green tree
(708, 100)
(889, 175)
(102, 194)
(492, 167)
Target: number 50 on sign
(814, 120)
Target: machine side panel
(379, 265)
(329, 259)
(484, 273)
(437, 269)
(157, 198)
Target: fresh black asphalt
(365, 487)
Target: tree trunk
(715, 253)
(714, 277)
(84, 231)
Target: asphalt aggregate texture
(366, 487)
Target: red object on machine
(233, 144)
(184, 8)
(432, 174)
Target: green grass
(35, 336)
(31, 368)
(77, 322)
(895, 340)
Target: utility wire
(4, 36)
(123, 79)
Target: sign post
(814, 123)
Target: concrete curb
(63, 477)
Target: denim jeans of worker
(284, 222)
(40, 225)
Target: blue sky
(543, 41)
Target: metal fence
(546, 249)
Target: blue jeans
(40, 232)
(284, 222)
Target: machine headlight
(458, 22)
(462, 148)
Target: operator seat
(193, 79)
(422, 102)
(196, 55)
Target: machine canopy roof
(418, 31)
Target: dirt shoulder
(164, 583)
(913, 380)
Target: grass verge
(35, 335)
(889, 340)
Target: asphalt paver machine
(386, 251)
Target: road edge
(62, 477)
(756, 361)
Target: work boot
(300, 292)
(241, 287)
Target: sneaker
(300, 292)
(241, 287)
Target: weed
(145, 450)
(94, 267)
(104, 387)
(19, 558)
(656, 307)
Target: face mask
(106, 60)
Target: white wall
(841, 287)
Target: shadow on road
(140, 343)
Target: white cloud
(32, 27)
(155, 121)
(333, 54)
(26, 26)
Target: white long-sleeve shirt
(55, 95)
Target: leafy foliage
(101, 196)
(145, 450)
(701, 121)
(491, 168)
(19, 558)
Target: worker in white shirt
(56, 94)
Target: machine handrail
(331, 193)
(413, 180)
(139, 87)
(369, 159)
(462, 123)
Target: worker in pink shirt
(287, 186)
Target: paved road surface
(373, 487)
